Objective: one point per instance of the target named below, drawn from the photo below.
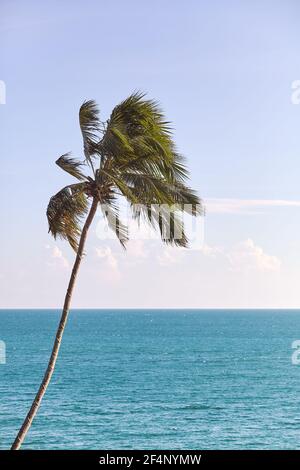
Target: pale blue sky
(223, 73)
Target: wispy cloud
(137, 249)
(246, 206)
(57, 256)
(108, 255)
(242, 257)
(170, 255)
(246, 256)
(110, 271)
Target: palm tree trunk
(54, 354)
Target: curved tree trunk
(54, 354)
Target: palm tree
(131, 156)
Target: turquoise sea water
(174, 379)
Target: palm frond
(71, 166)
(172, 228)
(186, 199)
(65, 212)
(90, 126)
(141, 160)
(165, 218)
(111, 214)
(137, 127)
(121, 184)
(149, 189)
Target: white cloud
(108, 255)
(243, 257)
(245, 206)
(57, 255)
(170, 255)
(173, 255)
(209, 250)
(111, 269)
(137, 249)
(247, 256)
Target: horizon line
(152, 308)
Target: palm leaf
(71, 166)
(110, 212)
(137, 127)
(90, 126)
(65, 212)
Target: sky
(227, 76)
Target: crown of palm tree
(132, 155)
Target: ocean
(153, 379)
